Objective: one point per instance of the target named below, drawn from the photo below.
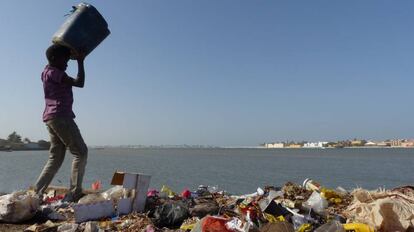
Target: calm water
(234, 170)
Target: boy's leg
(56, 156)
(70, 135)
(80, 155)
(68, 132)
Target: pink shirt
(58, 95)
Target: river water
(235, 170)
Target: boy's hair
(57, 50)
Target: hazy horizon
(232, 73)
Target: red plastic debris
(50, 200)
(186, 193)
(152, 193)
(215, 224)
(96, 185)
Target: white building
(314, 144)
(274, 145)
(370, 143)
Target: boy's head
(58, 56)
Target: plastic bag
(332, 226)
(167, 191)
(214, 224)
(317, 203)
(18, 206)
(278, 226)
(186, 193)
(115, 192)
(68, 227)
(203, 208)
(298, 220)
(238, 225)
(152, 193)
(91, 198)
(170, 215)
(198, 225)
(50, 212)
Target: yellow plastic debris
(358, 227)
(189, 224)
(331, 196)
(168, 191)
(270, 218)
(281, 218)
(187, 227)
(305, 228)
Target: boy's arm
(79, 81)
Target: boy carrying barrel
(59, 119)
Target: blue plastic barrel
(83, 30)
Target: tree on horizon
(14, 138)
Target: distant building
(371, 144)
(396, 143)
(274, 145)
(383, 144)
(357, 143)
(315, 145)
(407, 143)
(294, 146)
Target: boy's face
(61, 62)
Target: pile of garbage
(292, 207)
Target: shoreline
(212, 148)
(242, 147)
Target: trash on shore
(389, 210)
(18, 206)
(292, 207)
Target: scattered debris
(384, 210)
(293, 207)
(18, 206)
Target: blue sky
(234, 73)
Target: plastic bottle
(311, 185)
(83, 30)
(357, 227)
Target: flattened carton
(137, 183)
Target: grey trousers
(64, 133)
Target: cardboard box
(136, 182)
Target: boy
(58, 116)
